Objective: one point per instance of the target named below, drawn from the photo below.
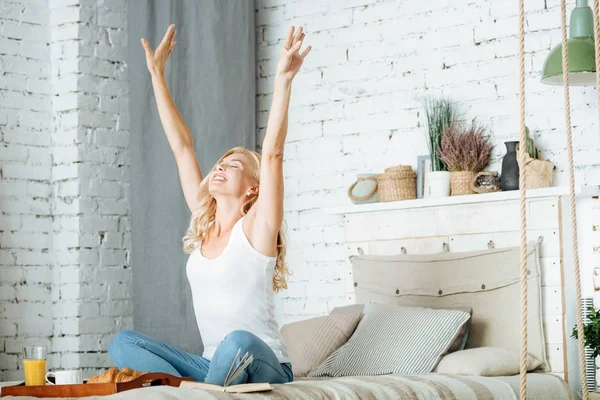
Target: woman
(235, 240)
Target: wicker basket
(460, 182)
(486, 182)
(397, 183)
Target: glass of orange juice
(34, 364)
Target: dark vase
(510, 168)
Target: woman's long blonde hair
(204, 215)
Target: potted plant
(591, 331)
(440, 114)
(466, 151)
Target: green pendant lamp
(582, 65)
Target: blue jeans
(142, 353)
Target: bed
(482, 280)
(430, 386)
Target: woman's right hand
(157, 59)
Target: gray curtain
(212, 80)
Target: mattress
(405, 387)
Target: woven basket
(397, 183)
(486, 182)
(460, 182)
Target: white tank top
(234, 292)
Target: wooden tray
(93, 389)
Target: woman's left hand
(290, 59)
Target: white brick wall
(25, 187)
(65, 279)
(356, 107)
(91, 187)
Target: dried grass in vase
(465, 148)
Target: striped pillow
(395, 339)
(461, 339)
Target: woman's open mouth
(219, 178)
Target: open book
(236, 368)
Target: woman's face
(231, 176)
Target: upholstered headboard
(488, 281)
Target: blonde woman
(235, 241)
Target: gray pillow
(311, 341)
(352, 308)
(395, 339)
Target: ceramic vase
(438, 184)
(510, 168)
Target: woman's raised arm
(269, 206)
(178, 133)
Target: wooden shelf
(583, 191)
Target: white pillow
(485, 361)
(395, 339)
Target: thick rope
(580, 332)
(596, 12)
(522, 193)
